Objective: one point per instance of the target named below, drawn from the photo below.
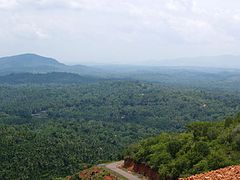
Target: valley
(55, 124)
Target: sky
(119, 31)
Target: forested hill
(202, 147)
(32, 63)
(53, 78)
(27, 60)
(28, 63)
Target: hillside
(48, 78)
(202, 147)
(221, 61)
(29, 63)
(32, 63)
(219, 78)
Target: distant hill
(54, 77)
(32, 63)
(222, 61)
(29, 63)
(28, 60)
(180, 75)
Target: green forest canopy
(49, 131)
(202, 147)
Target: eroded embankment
(227, 173)
(141, 168)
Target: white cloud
(8, 4)
(157, 28)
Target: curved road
(115, 167)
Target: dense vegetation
(56, 149)
(54, 130)
(48, 78)
(150, 105)
(204, 146)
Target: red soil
(228, 173)
(95, 173)
(86, 174)
(143, 169)
(109, 178)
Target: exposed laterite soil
(109, 178)
(228, 173)
(95, 173)
(139, 168)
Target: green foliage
(218, 159)
(49, 131)
(184, 154)
(173, 147)
(59, 148)
(152, 105)
(49, 78)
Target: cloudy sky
(119, 31)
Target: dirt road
(115, 167)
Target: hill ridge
(29, 56)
